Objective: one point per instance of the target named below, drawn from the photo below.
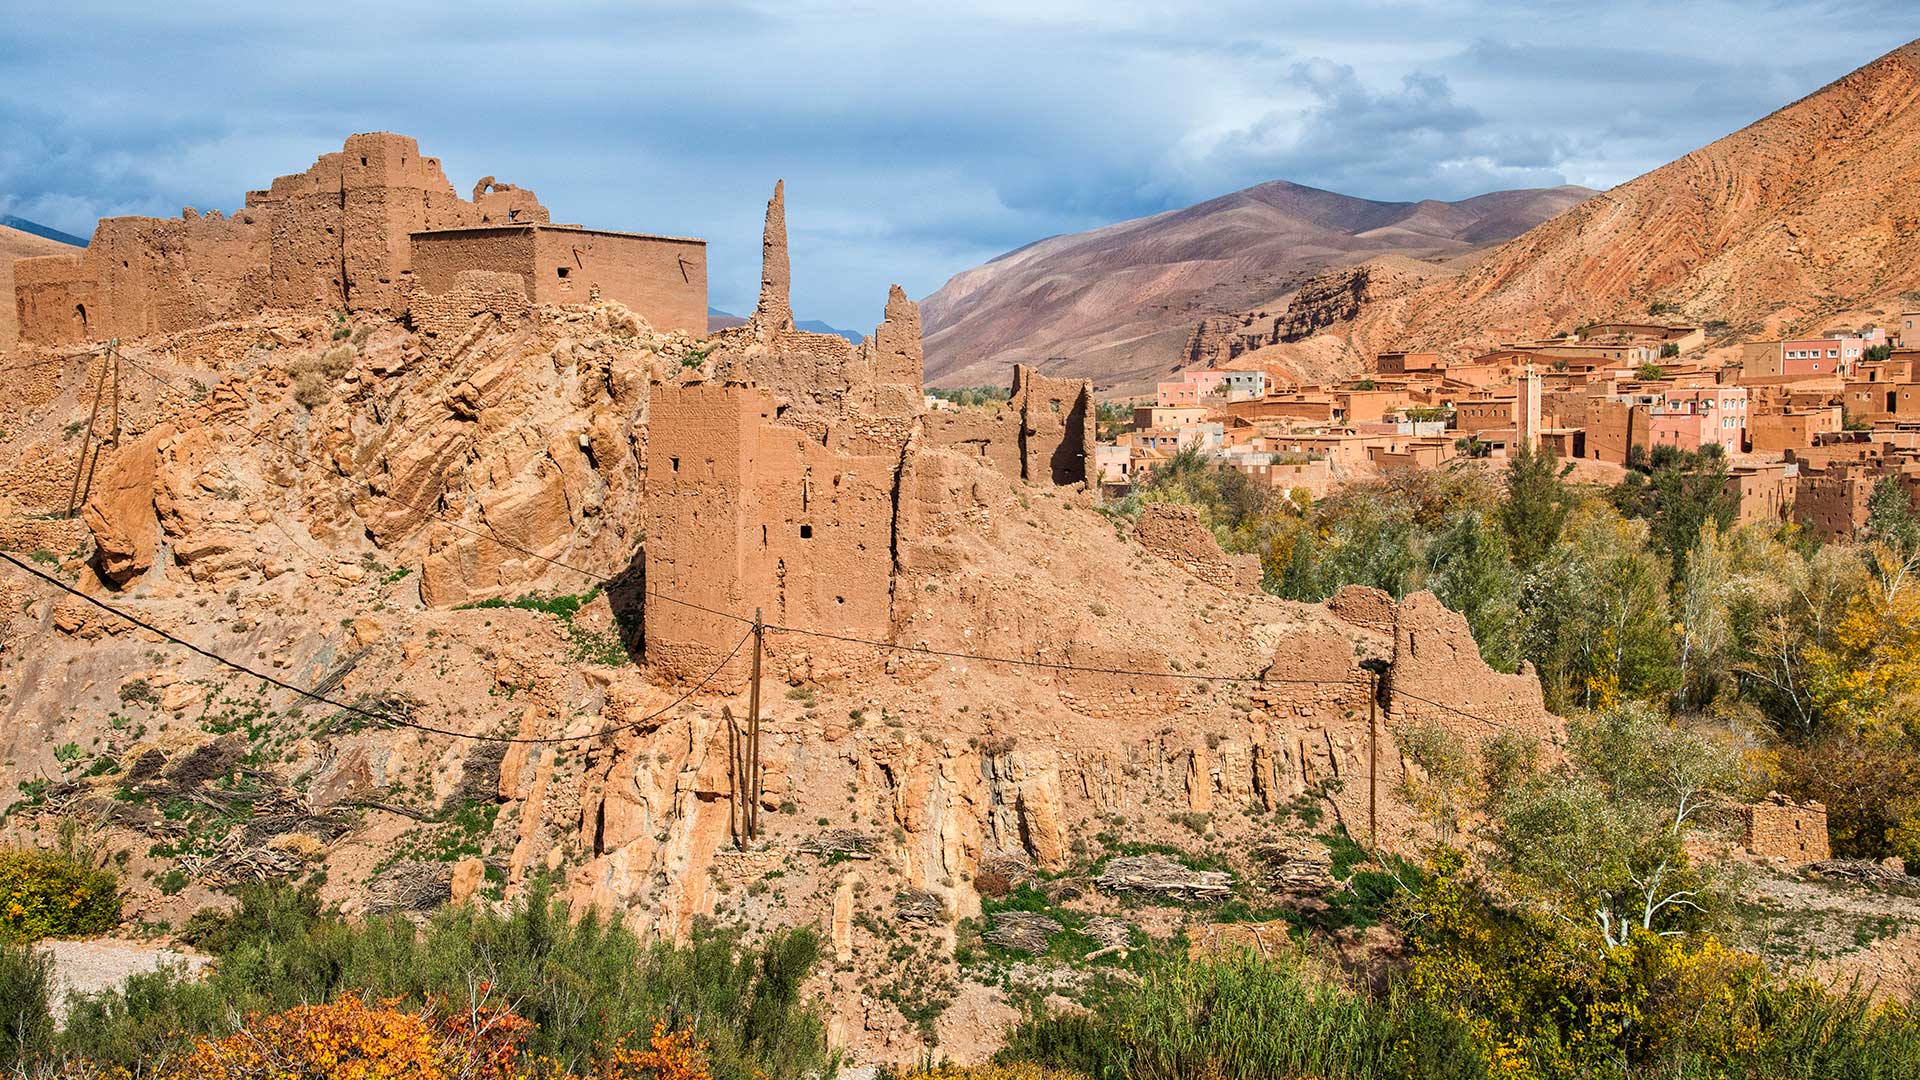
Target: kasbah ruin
(333, 435)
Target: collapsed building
(775, 486)
(361, 230)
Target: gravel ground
(91, 966)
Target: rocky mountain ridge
(1116, 304)
(1801, 222)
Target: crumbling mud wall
(339, 236)
(1043, 433)
(1177, 534)
(746, 513)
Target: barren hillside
(15, 244)
(325, 502)
(1802, 220)
(1118, 302)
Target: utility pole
(74, 497)
(1373, 764)
(1375, 668)
(736, 777)
(753, 729)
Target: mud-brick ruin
(777, 485)
(367, 229)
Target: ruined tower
(774, 312)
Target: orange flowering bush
(670, 1055)
(352, 1040)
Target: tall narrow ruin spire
(775, 310)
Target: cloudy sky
(916, 140)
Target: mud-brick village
(1462, 628)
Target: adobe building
(344, 236)
(777, 484)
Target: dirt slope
(1803, 220)
(15, 244)
(1118, 302)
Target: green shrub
(586, 983)
(47, 895)
(1248, 1017)
(26, 1022)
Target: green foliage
(1243, 1016)
(1536, 506)
(591, 646)
(1651, 372)
(1669, 350)
(26, 1018)
(1470, 571)
(45, 894)
(969, 396)
(585, 982)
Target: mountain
(1116, 304)
(722, 320)
(17, 243)
(818, 327)
(43, 231)
(1803, 221)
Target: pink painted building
(1192, 386)
(1690, 417)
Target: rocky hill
(441, 530)
(1799, 222)
(1118, 303)
(19, 244)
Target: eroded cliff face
(1056, 694)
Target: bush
(584, 985)
(26, 1022)
(314, 376)
(1247, 1017)
(43, 894)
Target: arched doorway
(80, 320)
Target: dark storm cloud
(915, 143)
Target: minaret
(1526, 408)
(774, 313)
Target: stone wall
(445, 318)
(1779, 828)
(1177, 534)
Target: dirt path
(88, 967)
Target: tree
(1601, 841)
(1706, 617)
(1536, 506)
(1595, 614)
(1469, 571)
(1651, 372)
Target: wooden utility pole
(753, 730)
(737, 777)
(1373, 764)
(80, 466)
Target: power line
(655, 594)
(384, 718)
(1042, 664)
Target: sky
(917, 140)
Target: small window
(676, 463)
(363, 161)
(563, 270)
(806, 532)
